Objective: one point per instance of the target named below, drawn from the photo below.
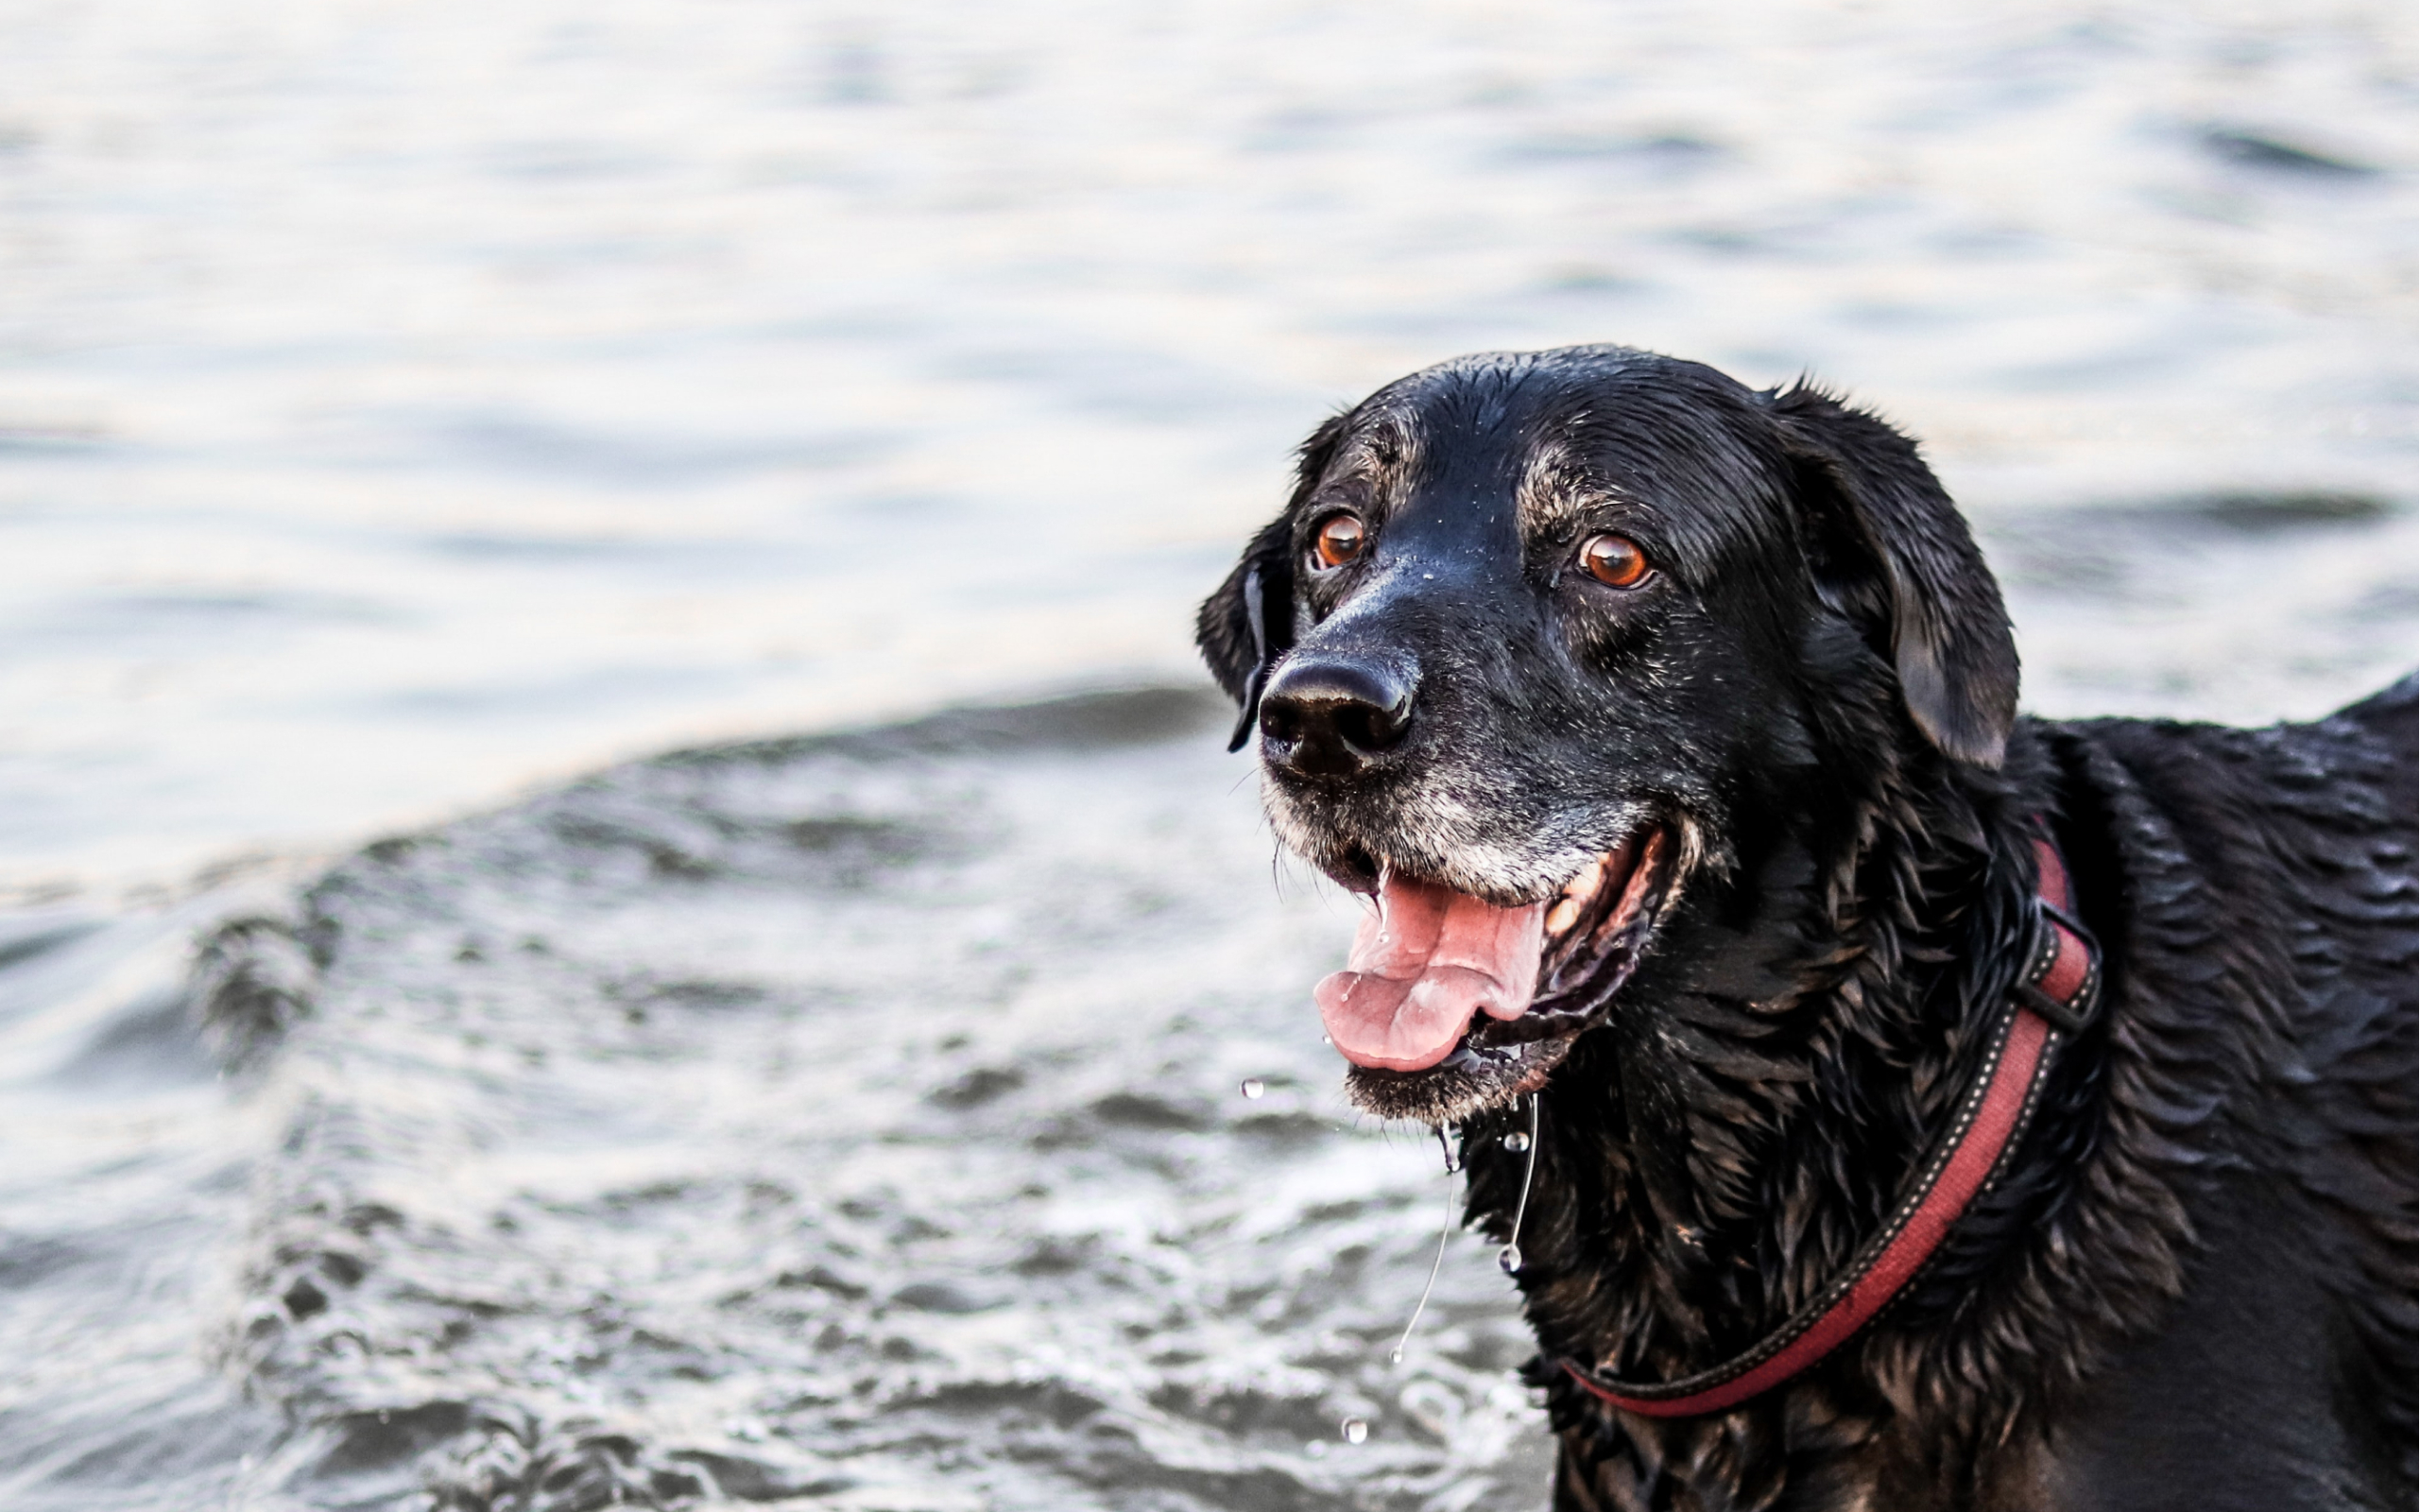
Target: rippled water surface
(853, 1122)
(406, 409)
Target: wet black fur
(2195, 1288)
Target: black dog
(1673, 727)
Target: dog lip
(1570, 903)
(1354, 870)
(1357, 869)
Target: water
(849, 1119)
(402, 410)
(402, 406)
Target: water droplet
(1516, 1142)
(1330, 1040)
(1253, 1086)
(1452, 1161)
(1395, 1355)
(1356, 1431)
(1508, 1260)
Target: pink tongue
(1427, 960)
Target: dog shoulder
(2264, 926)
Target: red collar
(2058, 993)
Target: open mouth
(1448, 1001)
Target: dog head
(1548, 649)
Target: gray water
(850, 1122)
(405, 410)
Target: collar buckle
(2060, 931)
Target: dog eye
(1339, 541)
(1615, 562)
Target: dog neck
(1714, 1156)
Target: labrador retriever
(1902, 1104)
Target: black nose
(1332, 716)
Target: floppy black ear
(1948, 629)
(1249, 620)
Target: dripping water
(1445, 1236)
(1509, 1258)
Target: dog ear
(1948, 629)
(1248, 622)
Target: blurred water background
(405, 409)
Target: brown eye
(1339, 541)
(1615, 562)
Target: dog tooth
(1562, 915)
